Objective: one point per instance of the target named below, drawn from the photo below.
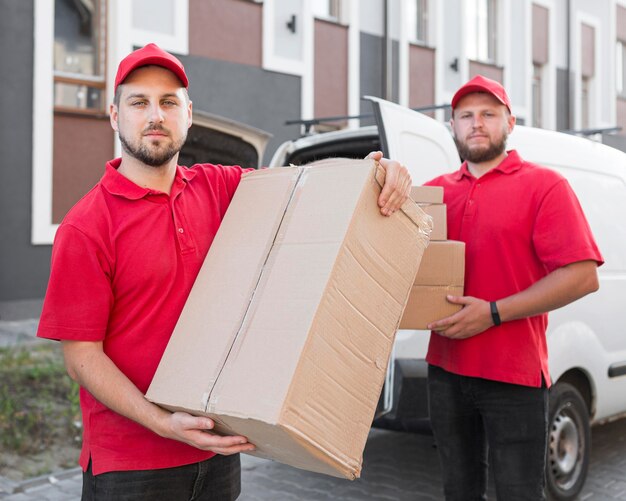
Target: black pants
(216, 479)
(473, 419)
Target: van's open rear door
(426, 147)
(421, 143)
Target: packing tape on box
(208, 401)
(409, 207)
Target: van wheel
(569, 443)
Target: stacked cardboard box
(286, 335)
(442, 270)
(430, 200)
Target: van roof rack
(308, 123)
(316, 121)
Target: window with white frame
(79, 55)
(287, 35)
(326, 9)
(481, 30)
(620, 68)
(417, 18)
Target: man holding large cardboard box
(529, 250)
(123, 263)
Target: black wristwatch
(495, 316)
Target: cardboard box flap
(353, 338)
(187, 369)
(298, 269)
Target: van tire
(569, 443)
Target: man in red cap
(123, 262)
(529, 250)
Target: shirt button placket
(182, 237)
(180, 230)
(468, 213)
(182, 234)
(470, 207)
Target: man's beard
(145, 155)
(477, 156)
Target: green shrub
(38, 400)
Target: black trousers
(475, 419)
(216, 479)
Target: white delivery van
(586, 339)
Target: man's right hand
(196, 431)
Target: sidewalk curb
(9, 487)
(15, 333)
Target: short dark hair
(117, 96)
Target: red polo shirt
(519, 222)
(123, 262)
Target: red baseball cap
(482, 84)
(150, 54)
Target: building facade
(256, 64)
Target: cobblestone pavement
(397, 467)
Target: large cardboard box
(287, 332)
(441, 272)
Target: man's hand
(474, 318)
(555, 290)
(397, 184)
(196, 431)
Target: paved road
(397, 467)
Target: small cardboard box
(430, 200)
(442, 272)
(427, 194)
(287, 332)
(440, 220)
